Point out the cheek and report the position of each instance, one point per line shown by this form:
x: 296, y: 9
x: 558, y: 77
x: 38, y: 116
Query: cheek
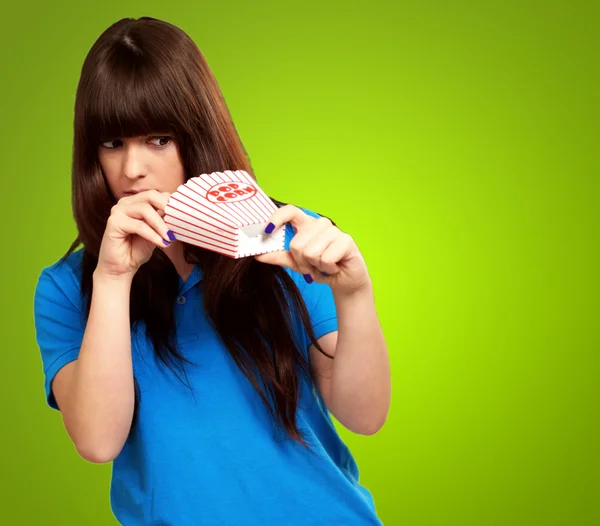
x: 175, y: 172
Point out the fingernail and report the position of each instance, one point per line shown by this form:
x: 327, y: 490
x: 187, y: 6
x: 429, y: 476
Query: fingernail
x: 324, y: 273
x: 308, y: 278
x: 166, y: 242
x: 270, y: 228
x: 171, y: 235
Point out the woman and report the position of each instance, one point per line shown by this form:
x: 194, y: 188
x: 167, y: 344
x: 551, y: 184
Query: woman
x: 208, y: 381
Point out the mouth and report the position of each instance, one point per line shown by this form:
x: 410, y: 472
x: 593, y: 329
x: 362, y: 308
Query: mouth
x: 133, y: 192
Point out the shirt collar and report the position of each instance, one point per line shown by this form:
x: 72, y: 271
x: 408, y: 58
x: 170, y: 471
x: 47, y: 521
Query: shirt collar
x: 194, y: 278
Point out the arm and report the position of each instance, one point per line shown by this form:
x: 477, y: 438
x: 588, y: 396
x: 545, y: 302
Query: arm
x: 96, y: 395
x: 356, y: 384
x: 95, y: 392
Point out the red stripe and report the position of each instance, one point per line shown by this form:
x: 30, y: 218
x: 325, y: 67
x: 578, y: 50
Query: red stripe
x: 195, y: 217
x: 204, y: 201
x: 233, y: 209
x: 246, y: 208
x: 196, y: 236
x: 248, y: 205
x: 209, y: 235
x: 256, y: 201
x: 215, y: 205
x: 250, y: 210
x: 260, y: 196
x: 248, y: 218
x: 201, y: 198
x: 266, y: 203
x: 197, y: 209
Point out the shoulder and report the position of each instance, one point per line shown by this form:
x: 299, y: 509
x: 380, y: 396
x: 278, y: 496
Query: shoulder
x: 61, y: 278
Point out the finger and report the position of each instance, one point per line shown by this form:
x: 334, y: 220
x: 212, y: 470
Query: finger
x: 158, y: 200
x: 303, y: 238
x: 314, y: 250
x: 335, y: 253
x: 288, y: 214
x: 126, y: 225
x: 146, y: 212
x: 297, y: 247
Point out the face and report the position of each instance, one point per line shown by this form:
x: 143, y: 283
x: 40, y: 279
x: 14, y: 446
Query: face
x: 135, y: 164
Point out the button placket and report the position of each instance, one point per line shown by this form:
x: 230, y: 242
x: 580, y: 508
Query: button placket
x: 186, y: 315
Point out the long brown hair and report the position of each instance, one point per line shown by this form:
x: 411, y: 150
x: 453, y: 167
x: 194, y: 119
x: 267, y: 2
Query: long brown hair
x: 146, y: 75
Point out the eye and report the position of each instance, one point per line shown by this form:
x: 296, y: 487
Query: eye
x: 163, y: 140
x: 110, y: 144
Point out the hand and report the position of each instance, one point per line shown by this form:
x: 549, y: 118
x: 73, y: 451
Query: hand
x: 133, y: 230
x: 320, y: 251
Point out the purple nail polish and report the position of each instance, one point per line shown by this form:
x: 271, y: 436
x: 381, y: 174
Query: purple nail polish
x: 308, y: 278
x: 325, y: 274
x: 166, y: 242
x: 171, y: 235
x: 270, y: 228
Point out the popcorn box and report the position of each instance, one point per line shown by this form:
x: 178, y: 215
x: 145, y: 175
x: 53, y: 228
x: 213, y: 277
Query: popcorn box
x: 225, y: 212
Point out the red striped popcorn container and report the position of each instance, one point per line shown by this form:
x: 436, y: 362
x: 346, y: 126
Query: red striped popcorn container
x: 225, y: 212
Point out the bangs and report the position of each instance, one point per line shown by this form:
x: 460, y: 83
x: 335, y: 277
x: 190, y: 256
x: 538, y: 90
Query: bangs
x: 129, y: 99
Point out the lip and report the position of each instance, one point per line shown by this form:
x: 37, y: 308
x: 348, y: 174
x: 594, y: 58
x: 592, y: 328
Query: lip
x: 133, y: 192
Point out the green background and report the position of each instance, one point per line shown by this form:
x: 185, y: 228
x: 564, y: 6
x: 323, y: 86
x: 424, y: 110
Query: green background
x: 458, y: 144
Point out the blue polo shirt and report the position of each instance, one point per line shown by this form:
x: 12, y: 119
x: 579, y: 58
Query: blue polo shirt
x: 211, y: 457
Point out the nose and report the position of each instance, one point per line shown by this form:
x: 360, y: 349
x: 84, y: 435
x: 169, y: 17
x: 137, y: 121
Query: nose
x: 134, y: 162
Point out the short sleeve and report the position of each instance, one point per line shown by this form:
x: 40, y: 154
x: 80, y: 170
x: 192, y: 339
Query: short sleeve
x: 317, y: 297
x: 58, y: 323
x: 321, y: 309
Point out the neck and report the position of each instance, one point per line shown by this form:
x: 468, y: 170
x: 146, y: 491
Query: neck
x: 175, y: 253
